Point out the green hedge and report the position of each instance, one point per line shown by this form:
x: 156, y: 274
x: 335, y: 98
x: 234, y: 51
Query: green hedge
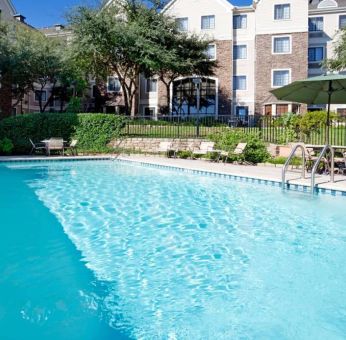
x: 93, y: 131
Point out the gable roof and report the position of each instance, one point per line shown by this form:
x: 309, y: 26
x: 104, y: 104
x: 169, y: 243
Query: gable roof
x: 224, y: 3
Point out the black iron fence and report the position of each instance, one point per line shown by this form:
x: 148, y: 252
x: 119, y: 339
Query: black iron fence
x: 269, y: 129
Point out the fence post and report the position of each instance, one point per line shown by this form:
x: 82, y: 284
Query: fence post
x: 197, y: 127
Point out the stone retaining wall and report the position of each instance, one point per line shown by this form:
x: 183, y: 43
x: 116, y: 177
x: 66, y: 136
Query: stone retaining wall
x: 153, y: 144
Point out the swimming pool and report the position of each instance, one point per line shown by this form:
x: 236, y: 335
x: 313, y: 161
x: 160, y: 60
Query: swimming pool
x: 111, y: 250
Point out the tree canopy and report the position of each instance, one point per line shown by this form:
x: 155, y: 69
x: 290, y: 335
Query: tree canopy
x: 129, y: 38
x: 31, y: 61
x: 338, y: 62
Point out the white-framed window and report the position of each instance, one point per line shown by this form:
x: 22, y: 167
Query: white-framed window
x: 282, y: 12
x: 281, y: 45
x: 239, y: 52
x: 208, y: 22
x: 281, y: 77
x: 342, y: 21
x: 151, y: 85
x: 239, y: 83
x: 211, y: 52
x: 113, y: 84
x: 240, y: 21
x: 183, y: 24
x: 41, y: 94
x: 316, y: 24
x: 316, y: 54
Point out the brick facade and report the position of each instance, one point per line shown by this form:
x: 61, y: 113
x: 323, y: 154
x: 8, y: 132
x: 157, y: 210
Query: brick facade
x: 266, y: 62
x: 223, y: 72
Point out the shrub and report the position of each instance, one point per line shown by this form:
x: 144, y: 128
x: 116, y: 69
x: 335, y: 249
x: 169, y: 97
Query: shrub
x: 255, y: 152
x: 6, y: 146
x: 93, y: 131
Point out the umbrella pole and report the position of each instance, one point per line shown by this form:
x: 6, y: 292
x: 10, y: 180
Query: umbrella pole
x: 330, y: 91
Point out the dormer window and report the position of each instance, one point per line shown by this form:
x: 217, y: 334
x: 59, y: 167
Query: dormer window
x: 282, y: 12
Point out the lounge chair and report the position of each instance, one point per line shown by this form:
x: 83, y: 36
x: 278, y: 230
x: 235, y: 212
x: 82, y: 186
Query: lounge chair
x: 166, y: 148
x: 37, y: 147
x: 55, y: 144
x: 72, y: 147
x: 237, y: 152
x: 204, y: 149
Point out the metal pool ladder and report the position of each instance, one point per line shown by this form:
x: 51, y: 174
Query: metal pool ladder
x: 317, y: 163
x: 288, y: 161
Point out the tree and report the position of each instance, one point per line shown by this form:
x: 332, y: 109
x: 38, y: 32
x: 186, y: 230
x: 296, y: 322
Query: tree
x: 31, y: 61
x: 129, y: 38
x: 338, y: 62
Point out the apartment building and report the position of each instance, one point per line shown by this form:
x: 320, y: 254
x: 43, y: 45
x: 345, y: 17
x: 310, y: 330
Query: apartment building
x: 258, y: 48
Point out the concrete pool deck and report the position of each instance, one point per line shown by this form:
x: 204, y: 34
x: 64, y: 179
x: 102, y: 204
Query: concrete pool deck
x: 267, y: 173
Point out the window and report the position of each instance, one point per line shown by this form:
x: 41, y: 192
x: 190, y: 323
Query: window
x: 151, y: 85
x: 239, y: 83
x: 240, y: 21
x: 268, y: 110
x: 113, y: 84
x: 316, y: 54
x: 281, y: 78
x: 342, y: 21
x: 316, y: 24
x: 40, y: 95
x: 242, y: 111
x: 239, y: 52
x: 183, y: 24
x: 282, y: 12
x: 281, y: 45
x: 211, y: 52
x: 208, y: 22
x: 281, y: 109
x: 149, y: 111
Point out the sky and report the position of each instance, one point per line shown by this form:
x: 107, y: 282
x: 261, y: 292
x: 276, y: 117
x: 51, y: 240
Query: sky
x: 44, y: 13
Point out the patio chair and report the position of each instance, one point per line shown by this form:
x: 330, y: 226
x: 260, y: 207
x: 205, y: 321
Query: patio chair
x: 166, y: 148
x: 237, y: 152
x: 37, y: 147
x: 55, y: 144
x: 72, y: 147
x: 203, y: 149
x: 342, y: 166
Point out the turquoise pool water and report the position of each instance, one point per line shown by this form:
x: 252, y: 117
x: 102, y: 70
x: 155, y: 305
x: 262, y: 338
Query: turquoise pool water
x: 106, y: 250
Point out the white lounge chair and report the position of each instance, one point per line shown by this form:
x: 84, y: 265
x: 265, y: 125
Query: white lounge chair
x: 204, y: 149
x: 72, y: 147
x: 238, y: 151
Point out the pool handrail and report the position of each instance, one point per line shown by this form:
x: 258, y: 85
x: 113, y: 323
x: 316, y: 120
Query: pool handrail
x: 288, y: 161
x: 317, y: 163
